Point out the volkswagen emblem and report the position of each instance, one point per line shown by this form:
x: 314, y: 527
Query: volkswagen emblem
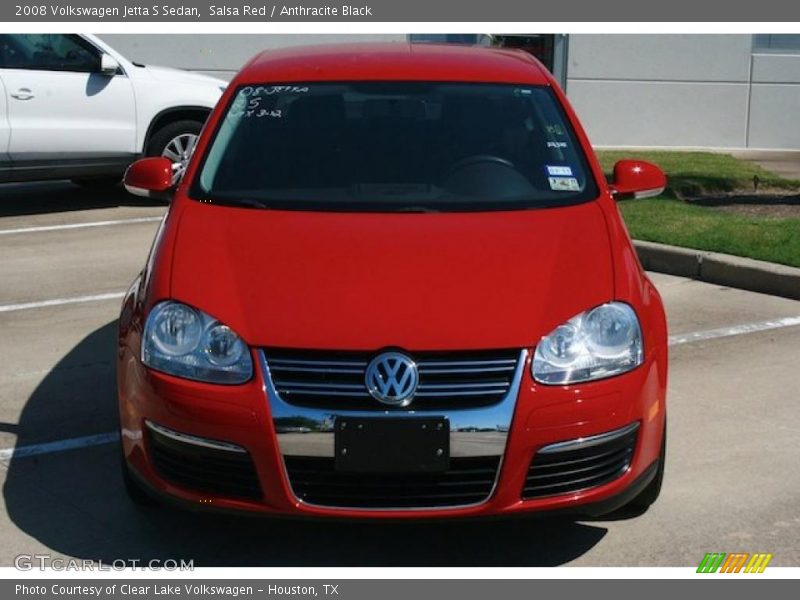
x: 392, y: 378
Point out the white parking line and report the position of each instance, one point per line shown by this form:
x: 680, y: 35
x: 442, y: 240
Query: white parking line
x: 79, y: 225
x: 112, y: 437
x: 59, y: 445
x: 712, y: 334
x: 60, y: 301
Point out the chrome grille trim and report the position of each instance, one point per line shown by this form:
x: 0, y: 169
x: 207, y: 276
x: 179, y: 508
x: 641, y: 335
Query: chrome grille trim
x: 466, y: 386
x: 353, y: 371
x: 305, y: 378
x: 447, y: 371
x: 319, y: 364
x: 480, y: 364
x: 186, y: 438
x: 588, y: 442
x: 574, y: 465
x: 327, y: 392
x: 202, y: 465
x: 460, y: 393
x: 335, y: 386
x: 474, y: 432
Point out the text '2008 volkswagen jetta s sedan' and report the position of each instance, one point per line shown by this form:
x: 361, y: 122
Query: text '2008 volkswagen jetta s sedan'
x: 393, y: 283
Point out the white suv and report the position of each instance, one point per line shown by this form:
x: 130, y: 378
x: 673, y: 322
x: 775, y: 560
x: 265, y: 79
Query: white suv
x: 73, y: 108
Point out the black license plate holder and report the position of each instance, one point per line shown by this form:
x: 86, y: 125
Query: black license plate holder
x: 392, y: 445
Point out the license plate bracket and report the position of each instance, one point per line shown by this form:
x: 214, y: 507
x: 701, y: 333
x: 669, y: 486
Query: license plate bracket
x: 392, y: 445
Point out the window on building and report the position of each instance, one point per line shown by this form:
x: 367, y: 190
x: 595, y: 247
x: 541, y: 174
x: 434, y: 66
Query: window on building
x: 470, y: 39
x: 782, y: 42
x: 542, y: 46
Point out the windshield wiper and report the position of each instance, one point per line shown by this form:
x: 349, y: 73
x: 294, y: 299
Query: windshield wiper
x: 246, y: 202
x: 414, y: 209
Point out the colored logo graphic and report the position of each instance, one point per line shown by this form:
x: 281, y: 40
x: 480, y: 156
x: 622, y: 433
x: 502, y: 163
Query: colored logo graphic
x: 737, y: 562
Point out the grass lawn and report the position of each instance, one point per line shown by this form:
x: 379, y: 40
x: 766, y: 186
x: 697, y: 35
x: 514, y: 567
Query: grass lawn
x: 670, y: 220
x: 695, y: 173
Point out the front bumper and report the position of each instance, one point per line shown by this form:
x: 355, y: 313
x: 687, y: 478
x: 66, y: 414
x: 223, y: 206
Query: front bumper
x: 534, y: 418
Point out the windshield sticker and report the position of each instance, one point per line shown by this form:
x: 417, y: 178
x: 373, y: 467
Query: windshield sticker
x: 251, y: 107
x: 247, y: 103
x: 555, y: 129
x: 556, y: 144
x: 559, y: 170
x: 270, y: 90
x: 263, y: 112
x: 564, y: 184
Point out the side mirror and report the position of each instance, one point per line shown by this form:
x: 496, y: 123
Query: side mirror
x: 149, y: 177
x: 637, y: 179
x: 108, y: 64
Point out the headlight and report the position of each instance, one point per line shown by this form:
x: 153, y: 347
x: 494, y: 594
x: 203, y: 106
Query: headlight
x: 598, y: 343
x: 183, y: 341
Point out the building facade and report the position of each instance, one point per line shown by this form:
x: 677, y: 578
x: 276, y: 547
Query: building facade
x: 705, y: 91
x: 673, y: 91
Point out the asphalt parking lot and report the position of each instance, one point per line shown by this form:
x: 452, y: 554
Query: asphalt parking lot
x: 732, y: 481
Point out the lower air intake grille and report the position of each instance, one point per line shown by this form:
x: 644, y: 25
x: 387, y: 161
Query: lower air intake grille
x: 580, y: 464
x: 468, y: 481
x: 203, y: 469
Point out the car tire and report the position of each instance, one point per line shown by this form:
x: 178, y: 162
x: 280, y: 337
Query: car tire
x: 171, y: 140
x: 651, y: 493
x: 137, y: 494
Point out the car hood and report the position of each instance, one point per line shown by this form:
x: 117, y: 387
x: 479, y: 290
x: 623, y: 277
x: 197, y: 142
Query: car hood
x: 168, y: 74
x: 373, y: 280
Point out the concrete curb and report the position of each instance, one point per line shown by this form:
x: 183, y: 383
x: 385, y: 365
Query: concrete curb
x: 722, y: 269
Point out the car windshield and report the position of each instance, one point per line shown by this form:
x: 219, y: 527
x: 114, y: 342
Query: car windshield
x: 394, y: 146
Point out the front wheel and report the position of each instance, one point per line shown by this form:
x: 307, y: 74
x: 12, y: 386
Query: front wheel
x: 175, y: 141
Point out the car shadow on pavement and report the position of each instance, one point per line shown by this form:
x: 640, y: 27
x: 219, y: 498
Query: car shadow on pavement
x: 778, y: 204
x: 18, y: 199
x: 73, y: 502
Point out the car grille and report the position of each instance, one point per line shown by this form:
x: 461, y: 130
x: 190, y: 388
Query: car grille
x: 335, y: 380
x: 467, y: 481
x: 585, y: 464
x: 216, y: 471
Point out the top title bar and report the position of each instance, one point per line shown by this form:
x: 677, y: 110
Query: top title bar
x: 461, y: 11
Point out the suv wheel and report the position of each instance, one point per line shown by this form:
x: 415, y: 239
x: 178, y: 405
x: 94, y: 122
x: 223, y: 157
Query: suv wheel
x: 175, y: 141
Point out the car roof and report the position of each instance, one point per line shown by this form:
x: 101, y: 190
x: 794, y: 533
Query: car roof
x: 393, y: 61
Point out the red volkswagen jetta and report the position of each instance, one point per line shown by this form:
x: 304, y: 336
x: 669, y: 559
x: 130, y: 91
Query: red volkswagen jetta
x: 393, y: 283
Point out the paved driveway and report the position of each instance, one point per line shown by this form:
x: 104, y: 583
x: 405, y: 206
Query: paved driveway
x: 732, y: 482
